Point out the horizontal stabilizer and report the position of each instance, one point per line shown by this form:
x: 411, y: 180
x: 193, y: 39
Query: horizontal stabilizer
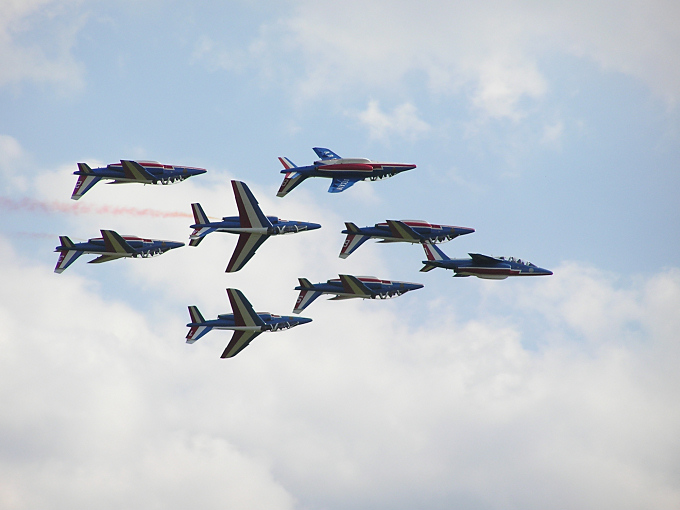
x: 115, y: 243
x: 305, y: 298
x: 427, y: 267
x: 239, y: 341
x: 352, y: 285
x: 401, y: 230
x: 199, y: 234
x: 339, y: 185
x: 198, y: 329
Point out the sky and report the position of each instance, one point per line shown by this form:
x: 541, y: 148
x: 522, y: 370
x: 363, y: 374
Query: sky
x: 553, y: 129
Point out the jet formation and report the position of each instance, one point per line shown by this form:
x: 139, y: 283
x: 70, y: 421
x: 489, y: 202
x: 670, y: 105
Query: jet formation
x: 253, y: 227
x: 345, y: 172
x: 110, y: 246
x: 144, y: 172
x: 244, y: 322
x: 393, y: 231
x: 348, y: 287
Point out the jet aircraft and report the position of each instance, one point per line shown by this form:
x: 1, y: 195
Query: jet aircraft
x: 344, y: 171
x: 110, y: 246
x: 481, y: 266
x: 392, y: 231
x: 245, y: 322
x: 145, y: 172
x: 253, y: 227
x: 348, y: 287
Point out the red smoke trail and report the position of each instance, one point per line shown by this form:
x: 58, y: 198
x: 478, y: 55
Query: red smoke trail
x: 32, y: 205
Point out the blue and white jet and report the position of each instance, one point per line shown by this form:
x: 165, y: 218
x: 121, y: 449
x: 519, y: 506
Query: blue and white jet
x: 244, y: 322
x: 344, y: 171
x: 348, y: 287
x: 393, y: 231
x: 481, y: 266
x: 253, y: 227
x: 144, y: 172
x: 110, y: 246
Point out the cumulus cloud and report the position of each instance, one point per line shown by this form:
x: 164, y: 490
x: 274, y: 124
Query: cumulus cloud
x: 372, y: 404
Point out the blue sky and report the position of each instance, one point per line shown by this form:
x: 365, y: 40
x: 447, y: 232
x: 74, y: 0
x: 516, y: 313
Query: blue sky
x: 553, y: 131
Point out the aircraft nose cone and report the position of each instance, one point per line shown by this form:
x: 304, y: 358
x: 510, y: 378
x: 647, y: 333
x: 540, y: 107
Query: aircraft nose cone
x: 313, y: 226
x: 303, y: 320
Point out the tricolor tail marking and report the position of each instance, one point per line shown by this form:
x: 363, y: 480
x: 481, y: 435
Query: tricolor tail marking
x: 244, y: 315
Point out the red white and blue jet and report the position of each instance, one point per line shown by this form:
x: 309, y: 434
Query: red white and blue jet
x: 145, y: 172
x: 481, y: 266
x: 253, y: 227
x: 110, y: 246
x: 348, y: 287
x: 244, y: 322
x: 344, y: 171
x: 393, y: 231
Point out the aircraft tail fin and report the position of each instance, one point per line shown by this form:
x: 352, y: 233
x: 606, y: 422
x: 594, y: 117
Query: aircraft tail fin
x: 352, y: 285
x: 86, y: 179
x: 287, y: 163
x: 200, y: 217
x: 290, y: 181
x: 353, y: 240
x: 244, y: 314
x: 197, y: 327
x: 306, y: 296
x: 434, y: 253
x: 250, y: 214
x: 115, y: 243
x: 67, y: 255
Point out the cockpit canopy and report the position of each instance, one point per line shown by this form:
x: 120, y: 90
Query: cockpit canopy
x: 517, y: 260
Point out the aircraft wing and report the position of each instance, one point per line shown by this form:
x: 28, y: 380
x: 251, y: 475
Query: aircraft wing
x: 136, y: 172
x: 250, y: 214
x: 339, y: 185
x: 115, y: 243
x: 239, y: 341
x: 244, y: 315
x: 245, y: 249
x: 484, y: 259
x: 401, y: 230
x: 106, y: 258
x: 325, y: 154
x: 352, y: 285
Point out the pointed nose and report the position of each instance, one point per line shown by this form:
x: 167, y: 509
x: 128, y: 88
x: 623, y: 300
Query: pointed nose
x: 312, y: 226
x: 197, y: 171
x: 302, y: 320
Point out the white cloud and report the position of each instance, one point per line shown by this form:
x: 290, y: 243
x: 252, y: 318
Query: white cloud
x: 48, y: 57
x: 403, y: 122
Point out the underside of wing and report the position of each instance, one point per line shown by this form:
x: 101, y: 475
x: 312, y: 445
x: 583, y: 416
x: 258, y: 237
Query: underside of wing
x: 245, y: 249
x: 339, y: 185
x: 239, y: 341
x: 106, y: 258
